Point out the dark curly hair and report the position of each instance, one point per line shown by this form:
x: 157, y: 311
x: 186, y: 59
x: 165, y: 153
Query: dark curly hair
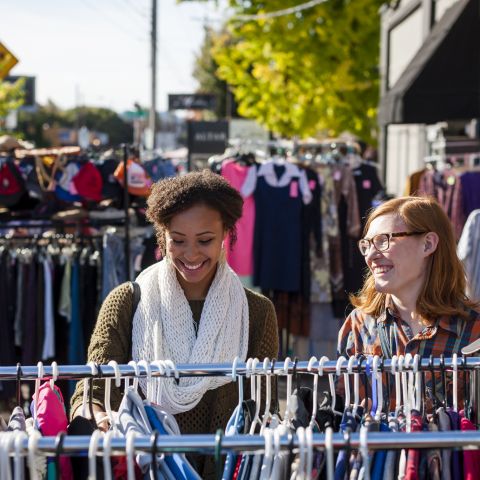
x: 177, y: 194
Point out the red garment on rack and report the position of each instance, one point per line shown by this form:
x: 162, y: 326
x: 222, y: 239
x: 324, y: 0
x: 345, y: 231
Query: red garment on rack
x: 471, y: 458
x: 413, y: 456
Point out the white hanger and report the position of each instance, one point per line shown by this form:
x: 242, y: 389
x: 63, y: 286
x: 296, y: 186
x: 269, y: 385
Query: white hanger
x: 157, y: 386
x: 268, y: 456
x: 268, y: 400
x: 398, y: 392
x: 54, y: 375
x: 133, y: 364
x: 455, y: 381
x: 148, y: 370
x: 236, y: 377
x: 309, y: 445
x: 92, y: 454
x: 356, y: 385
x: 94, y: 371
x: 286, y: 364
x: 33, y: 439
x: 302, y: 453
x: 108, y: 388
x: 40, y: 375
x: 315, y: 390
x: 378, y: 378
x: 341, y: 360
x: 248, y: 374
x: 418, y: 382
x: 329, y: 453
x: 403, y: 379
x: 170, y: 368
x: 364, y: 452
x: 407, y: 391
x: 18, y: 461
x: 107, y: 453
x: 130, y: 454
x: 6, y: 443
x: 258, y: 397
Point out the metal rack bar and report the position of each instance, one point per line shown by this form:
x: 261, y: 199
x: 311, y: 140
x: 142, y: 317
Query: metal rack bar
x: 72, y: 372
x: 256, y: 443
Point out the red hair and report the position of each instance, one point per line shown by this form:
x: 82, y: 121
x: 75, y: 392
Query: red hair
x: 444, y: 290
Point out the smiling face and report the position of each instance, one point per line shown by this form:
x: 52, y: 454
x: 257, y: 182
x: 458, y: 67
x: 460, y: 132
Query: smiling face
x: 401, y: 270
x: 194, y: 244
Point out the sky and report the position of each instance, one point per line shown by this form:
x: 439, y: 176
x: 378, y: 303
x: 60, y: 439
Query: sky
x: 97, y: 52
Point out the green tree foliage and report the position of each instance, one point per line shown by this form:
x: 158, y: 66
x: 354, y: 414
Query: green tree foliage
x: 11, y: 96
x: 304, y: 73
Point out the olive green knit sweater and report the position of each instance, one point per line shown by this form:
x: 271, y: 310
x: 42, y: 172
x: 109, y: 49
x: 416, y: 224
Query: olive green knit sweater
x: 112, y: 340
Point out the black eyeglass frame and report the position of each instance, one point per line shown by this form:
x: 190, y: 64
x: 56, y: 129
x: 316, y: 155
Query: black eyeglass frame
x: 389, y: 237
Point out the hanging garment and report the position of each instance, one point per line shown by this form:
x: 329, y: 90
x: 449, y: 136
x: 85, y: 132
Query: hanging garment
x: 413, y: 455
x: 134, y: 415
x: 434, y: 457
x: 277, y: 237
x: 457, y: 457
x: 240, y: 258
x: 51, y: 419
x: 468, y: 250
x: 471, y: 458
x: 444, y: 425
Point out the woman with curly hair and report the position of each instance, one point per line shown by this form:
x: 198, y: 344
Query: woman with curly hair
x: 192, y: 309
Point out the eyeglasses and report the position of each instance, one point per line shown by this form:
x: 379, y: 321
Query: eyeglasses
x: 381, y: 242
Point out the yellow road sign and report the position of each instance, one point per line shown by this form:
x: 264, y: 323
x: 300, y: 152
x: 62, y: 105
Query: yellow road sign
x: 7, y: 61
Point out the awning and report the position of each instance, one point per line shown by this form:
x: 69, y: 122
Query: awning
x: 442, y: 82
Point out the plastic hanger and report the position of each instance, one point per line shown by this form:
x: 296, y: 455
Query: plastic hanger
x: 444, y: 382
x: 329, y: 453
x: 378, y: 379
x: 157, y: 386
x: 418, y: 382
x: 107, y: 453
x: 154, y: 463
x: 236, y: 377
x: 286, y: 364
x: 302, y: 453
x: 92, y: 454
x: 33, y: 439
x: 268, y: 456
x: 311, y: 362
x: 257, y: 379
x: 87, y: 386
x: 19, y: 383
x: 356, y: 385
x: 455, y: 381
x: 133, y: 364
x: 6, y: 443
x: 54, y: 375
x: 346, y: 380
x: 18, y: 461
x: 108, y: 388
x: 40, y: 375
x: 130, y: 454
x: 398, y: 392
x: 148, y: 371
x: 407, y: 390
x: 268, y: 379
x: 364, y: 451
x: 309, y: 457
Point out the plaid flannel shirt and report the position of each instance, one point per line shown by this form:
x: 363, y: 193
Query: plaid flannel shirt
x: 447, y: 335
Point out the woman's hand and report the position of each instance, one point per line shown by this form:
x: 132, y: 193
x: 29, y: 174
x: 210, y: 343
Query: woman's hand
x: 101, y: 417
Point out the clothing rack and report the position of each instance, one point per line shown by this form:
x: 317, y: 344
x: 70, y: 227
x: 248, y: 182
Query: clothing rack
x: 256, y: 443
x: 279, y: 368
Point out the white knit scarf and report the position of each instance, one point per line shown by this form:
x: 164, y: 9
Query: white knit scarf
x: 163, y: 329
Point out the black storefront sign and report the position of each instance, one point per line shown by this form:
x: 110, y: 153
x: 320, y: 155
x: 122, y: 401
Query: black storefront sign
x: 207, y: 138
x: 192, y: 101
x: 29, y: 88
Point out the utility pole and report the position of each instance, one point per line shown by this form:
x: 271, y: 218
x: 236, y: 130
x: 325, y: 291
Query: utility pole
x: 153, y: 102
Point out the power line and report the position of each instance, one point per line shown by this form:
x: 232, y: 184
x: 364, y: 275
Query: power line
x: 278, y: 13
x: 113, y: 22
x: 135, y: 9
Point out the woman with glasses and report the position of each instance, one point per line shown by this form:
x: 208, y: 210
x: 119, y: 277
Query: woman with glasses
x: 413, y: 299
